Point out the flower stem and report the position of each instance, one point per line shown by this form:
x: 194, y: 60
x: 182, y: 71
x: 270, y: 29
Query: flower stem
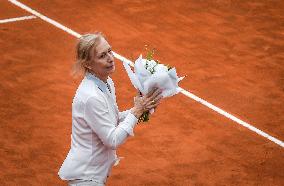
x: 144, y: 117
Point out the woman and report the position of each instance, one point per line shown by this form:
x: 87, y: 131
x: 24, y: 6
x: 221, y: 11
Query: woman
x: 98, y: 128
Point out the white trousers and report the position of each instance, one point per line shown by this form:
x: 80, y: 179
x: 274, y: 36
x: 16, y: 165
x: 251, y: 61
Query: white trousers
x: 84, y: 183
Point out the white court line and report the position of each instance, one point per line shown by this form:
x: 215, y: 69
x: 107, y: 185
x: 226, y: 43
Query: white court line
x: 17, y: 19
x: 186, y: 93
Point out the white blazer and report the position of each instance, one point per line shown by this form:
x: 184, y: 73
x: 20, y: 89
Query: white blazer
x: 98, y: 128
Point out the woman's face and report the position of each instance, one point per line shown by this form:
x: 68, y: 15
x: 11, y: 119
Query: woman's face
x: 103, y: 60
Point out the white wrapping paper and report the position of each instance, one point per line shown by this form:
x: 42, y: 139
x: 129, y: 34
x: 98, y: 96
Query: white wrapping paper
x: 164, y: 79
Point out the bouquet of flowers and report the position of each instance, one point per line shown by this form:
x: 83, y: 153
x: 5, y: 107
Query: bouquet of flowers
x: 148, y: 74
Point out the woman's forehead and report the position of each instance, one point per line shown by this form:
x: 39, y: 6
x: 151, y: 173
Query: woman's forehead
x: 102, y: 46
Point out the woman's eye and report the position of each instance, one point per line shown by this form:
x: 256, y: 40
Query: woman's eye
x: 103, y: 55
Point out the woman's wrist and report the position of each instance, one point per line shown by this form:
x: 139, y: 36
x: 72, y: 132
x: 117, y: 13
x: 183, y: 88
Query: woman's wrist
x: 136, y: 112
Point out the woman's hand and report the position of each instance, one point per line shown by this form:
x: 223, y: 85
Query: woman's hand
x: 147, y: 102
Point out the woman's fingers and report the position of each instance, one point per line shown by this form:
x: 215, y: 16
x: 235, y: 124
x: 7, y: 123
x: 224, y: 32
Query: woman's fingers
x: 151, y: 103
x: 154, y: 105
x: 152, y: 99
x: 155, y: 94
x: 158, y: 97
x: 151, y: 92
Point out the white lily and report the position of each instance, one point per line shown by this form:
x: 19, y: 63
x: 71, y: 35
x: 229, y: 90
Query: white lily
x: 142, y: 79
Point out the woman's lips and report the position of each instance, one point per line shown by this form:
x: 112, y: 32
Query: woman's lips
x: 110, y: 67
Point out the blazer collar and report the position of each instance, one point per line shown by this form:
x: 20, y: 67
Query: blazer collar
x: 101, y: 85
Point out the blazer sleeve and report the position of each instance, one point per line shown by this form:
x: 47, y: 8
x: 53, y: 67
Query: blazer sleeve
x: 98, y: 117
x: 122, y: 115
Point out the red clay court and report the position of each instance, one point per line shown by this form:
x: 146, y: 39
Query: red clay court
x: 232, y: 52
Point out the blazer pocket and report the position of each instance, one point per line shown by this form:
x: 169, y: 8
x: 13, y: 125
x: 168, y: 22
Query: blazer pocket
x: 99, y: 157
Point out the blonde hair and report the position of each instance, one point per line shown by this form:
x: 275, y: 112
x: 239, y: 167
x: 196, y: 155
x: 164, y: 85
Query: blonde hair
x: 85, y: 50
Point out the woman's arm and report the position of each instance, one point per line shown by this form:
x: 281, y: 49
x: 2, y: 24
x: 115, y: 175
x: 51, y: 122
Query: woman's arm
x: 123, y: 114
x: 98, y: 117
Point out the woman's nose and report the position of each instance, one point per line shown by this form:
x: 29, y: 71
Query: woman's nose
x: 110, y: 57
